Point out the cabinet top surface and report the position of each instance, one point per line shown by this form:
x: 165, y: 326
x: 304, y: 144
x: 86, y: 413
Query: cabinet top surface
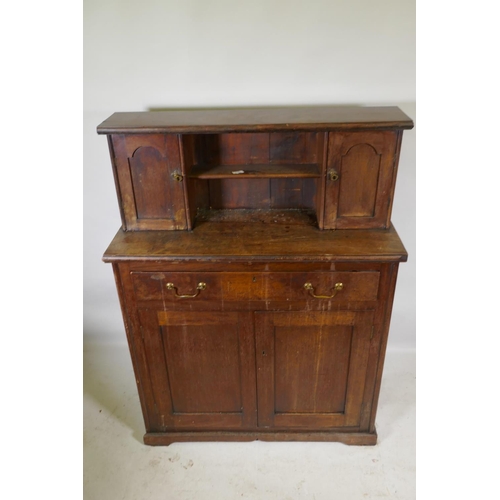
x: 257, y: 242
x: 256, y: 119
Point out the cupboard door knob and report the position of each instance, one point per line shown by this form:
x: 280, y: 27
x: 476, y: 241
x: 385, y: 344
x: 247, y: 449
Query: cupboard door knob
x: 333, y: 175
x: 336, y: 288
x: 177, y: 177
x: 199, y: 287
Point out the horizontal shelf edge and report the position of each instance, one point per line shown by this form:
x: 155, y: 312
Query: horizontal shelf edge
x: 267, y: 171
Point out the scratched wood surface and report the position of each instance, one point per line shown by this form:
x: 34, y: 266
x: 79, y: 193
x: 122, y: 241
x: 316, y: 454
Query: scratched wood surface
x: 257, y: 119
x: 252, y: 353
x: 255, y: 241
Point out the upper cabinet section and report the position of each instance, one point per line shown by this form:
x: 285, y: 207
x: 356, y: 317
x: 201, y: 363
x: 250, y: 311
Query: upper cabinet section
x: 330, y: 167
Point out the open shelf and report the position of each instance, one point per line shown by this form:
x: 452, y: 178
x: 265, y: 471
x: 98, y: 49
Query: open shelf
x: 254, y: 171
x: 273, y: 178
x: 290, y: 217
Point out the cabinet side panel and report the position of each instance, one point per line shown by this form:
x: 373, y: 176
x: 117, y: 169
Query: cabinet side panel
x: 380, y: 344
x: 117, y: 183
x: 136, y: 348
x: 392, y: 189
x: 124, y: 183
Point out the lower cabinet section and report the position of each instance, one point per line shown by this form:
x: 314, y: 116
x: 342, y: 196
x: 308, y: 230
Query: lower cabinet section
x: 221, y: 355
x: 219, y: 371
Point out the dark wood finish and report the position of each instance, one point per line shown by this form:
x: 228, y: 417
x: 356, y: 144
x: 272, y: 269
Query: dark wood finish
x: 380, y: 346
x: 311, y: 368
x: 233, y: 286
x: 321, y: 183
x: 257, y: 119
x: 232, y: 193
x: 166, y: 175
x: 150, y: 196
x: 121, y: 204
x: 365, y: 163
x: 324, y: 319
x: 286, y: 216
x: 246, y: 172
x: 257, y: 242
x: 235, y: 347
x: 249, y: 266
x: 191, y: 353
x: 349, y: 438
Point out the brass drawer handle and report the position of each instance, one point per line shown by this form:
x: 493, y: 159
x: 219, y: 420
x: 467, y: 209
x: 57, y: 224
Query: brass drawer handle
x: 201, y: 286
x: 177, y: 176
x: 337, y: 287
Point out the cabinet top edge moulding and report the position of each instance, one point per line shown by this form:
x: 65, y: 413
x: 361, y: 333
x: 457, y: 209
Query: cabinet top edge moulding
x: 257, y: 119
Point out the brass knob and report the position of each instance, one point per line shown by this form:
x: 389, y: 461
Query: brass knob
x: 177, y: 176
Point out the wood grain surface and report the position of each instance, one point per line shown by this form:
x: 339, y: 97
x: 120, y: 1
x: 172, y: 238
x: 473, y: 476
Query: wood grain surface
x: 256, y: 119
x: 256, y: 242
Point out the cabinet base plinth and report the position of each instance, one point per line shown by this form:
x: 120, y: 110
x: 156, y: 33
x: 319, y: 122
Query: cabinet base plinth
x: 349, y: 438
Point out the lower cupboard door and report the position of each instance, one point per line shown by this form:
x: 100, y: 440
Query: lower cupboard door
x: 311, y: 368
x: 202, y: 368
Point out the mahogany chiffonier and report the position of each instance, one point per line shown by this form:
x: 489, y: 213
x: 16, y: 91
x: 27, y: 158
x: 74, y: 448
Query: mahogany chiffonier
x: 256, y: 268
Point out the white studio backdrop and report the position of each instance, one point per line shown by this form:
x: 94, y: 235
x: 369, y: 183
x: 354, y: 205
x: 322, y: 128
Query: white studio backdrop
x: 219, y: 53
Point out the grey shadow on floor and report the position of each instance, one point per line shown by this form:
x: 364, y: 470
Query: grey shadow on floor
x: 108, y: 378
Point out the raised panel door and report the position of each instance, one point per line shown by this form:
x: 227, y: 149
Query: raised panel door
x: 311, y: 368
x: 150, y: 181
x: 202, y: 368
x: 361, y: 172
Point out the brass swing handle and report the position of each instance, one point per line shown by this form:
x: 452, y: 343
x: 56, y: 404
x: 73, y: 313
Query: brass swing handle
x: 336, y: 288
x: 199, y: 287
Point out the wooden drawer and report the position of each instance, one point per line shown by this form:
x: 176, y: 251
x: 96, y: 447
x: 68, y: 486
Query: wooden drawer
x: 282, y: 286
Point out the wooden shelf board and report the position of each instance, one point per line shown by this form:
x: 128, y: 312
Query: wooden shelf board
x: 253, y: 241
x: 253, y: 171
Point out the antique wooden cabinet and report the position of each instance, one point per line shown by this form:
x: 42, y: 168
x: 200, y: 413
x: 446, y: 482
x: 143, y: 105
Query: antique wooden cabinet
x: 256, y: 268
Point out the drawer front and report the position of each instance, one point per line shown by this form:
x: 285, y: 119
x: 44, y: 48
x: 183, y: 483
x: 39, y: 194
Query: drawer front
x: 282, y: 286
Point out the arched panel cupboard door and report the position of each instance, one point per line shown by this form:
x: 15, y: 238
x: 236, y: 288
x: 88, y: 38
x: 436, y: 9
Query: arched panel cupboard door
x: 361, y: 172
x: 150, y: 181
